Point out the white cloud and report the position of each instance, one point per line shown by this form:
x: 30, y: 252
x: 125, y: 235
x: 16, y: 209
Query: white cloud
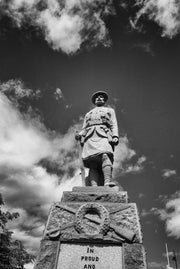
x: 59, y: 97
x: 32, y: 196
x: 167, y: 173
x: 66, y: 26
x: 137, y: 167
x: 25, y: 141
x: 19, y: 94
x: 15, y: 88
x: 164, y: 12
x: 22, y: 144
x: 17, y: 4
x: 173, y: 218
x: 123, y: 157
x: 58, y: 94
x: 26, y: 185
x: 144, y: 46
x: 62, y: 32
x: 171, y: 215
x: 123, y: 151
x: 30, y: 243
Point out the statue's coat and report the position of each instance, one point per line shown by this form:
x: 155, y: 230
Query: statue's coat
x: 99, y: 127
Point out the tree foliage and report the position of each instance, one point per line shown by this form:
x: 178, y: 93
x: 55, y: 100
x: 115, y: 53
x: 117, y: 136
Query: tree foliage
x: 12, y: 252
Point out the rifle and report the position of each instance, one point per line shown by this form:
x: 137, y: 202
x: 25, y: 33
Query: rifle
x: 81, y: 161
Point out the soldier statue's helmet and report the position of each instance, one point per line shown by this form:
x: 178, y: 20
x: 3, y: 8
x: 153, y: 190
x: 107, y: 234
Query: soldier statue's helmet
x: 96, y: 94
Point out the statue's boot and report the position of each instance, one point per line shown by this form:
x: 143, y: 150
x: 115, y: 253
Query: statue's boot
x: 107, y: 171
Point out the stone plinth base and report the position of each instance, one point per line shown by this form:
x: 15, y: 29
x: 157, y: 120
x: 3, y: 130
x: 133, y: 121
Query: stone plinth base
x: 93, y: 228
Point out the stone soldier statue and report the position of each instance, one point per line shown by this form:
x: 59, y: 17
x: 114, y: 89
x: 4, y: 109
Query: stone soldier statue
x: 98, y: 138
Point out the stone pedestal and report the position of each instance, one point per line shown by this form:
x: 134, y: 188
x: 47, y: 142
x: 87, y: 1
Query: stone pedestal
x: 92, y: 228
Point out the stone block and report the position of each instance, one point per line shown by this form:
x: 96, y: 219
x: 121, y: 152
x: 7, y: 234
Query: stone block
x: 134, y: 256
x: 47, y: 255
x: 98, y: 189
x: 90, y: 256
x: 122, y: 217
x: 93, y: 228
x: 111, y: 197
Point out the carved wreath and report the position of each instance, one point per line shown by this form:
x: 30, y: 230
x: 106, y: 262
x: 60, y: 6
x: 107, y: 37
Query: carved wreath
x: 102, y: 221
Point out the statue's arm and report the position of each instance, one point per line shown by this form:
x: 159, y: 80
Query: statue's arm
x: 114, y: 127
x: 79, y: 135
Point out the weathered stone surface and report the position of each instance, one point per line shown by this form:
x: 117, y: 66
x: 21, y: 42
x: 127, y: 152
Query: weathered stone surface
x: 134, y: 256
x: 122, y: 216
x: 98, y: 189
x: 111, y: 197
x: 96, y: 256
x: 47, y: 255
x: 95, y: 216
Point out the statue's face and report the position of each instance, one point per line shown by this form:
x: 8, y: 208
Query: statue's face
x: 99, y: 101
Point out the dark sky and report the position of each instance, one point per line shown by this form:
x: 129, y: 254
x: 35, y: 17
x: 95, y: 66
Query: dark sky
x: 140, y: 71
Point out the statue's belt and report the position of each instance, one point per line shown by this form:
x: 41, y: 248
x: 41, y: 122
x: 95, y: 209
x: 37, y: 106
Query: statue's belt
x: 89, y: 131
x: 107, y: 125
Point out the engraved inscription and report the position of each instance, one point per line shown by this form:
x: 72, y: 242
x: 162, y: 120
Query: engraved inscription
x: 89, y: 256
x: 91, y: 259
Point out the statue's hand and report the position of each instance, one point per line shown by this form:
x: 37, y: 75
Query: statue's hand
x: 77, y: 137
x: 115, y: 140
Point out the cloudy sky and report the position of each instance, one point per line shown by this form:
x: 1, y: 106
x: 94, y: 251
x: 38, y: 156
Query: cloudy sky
x: 53, y: 55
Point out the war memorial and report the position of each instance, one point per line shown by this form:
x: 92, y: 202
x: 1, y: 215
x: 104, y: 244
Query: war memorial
x: 94, y: 226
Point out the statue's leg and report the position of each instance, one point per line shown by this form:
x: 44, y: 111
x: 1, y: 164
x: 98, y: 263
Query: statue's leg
x: 107, y: 170
x: 93, y: 175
